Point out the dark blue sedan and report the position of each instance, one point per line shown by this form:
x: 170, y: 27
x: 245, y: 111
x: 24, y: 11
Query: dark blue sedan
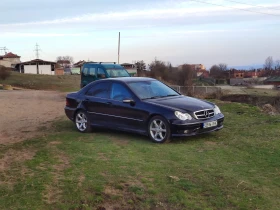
x: 142, y: 105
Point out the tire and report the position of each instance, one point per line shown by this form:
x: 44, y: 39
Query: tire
x: 159, y: 130
x: 82, y: 122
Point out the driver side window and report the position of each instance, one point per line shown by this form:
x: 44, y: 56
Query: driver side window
x: 120, y: 92
x: 101, y: 73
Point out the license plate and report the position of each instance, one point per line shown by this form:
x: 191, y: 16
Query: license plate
x: 210, y: 124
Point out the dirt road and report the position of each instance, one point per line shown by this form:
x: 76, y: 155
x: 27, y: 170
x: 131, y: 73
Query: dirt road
x: 22, y: 112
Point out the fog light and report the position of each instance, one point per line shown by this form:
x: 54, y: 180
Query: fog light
x: 186, y: 131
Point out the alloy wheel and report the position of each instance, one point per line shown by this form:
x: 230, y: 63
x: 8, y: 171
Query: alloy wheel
x: 81, y: 121
x: 158, y: 130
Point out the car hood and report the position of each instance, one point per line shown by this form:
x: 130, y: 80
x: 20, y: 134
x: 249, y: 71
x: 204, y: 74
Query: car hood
x: 183, y: 103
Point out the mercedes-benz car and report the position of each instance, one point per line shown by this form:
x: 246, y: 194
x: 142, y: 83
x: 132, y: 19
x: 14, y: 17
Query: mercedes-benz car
x: 141, y: 105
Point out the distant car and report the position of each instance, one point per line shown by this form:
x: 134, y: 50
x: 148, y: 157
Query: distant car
x: 142, y: 105
x: 92, y: 71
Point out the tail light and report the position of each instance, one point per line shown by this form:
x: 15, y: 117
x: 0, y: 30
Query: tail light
x: 67, y: 102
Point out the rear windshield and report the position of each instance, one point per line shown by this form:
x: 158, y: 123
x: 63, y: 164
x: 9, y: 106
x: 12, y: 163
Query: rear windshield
x: 117, y: 72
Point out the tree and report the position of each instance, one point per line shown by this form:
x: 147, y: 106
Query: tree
x: 65, y: 61
x: 140, y: 66
x: 186, y: 75
x: 215, y: 72
x: 159, y: 70
x: 4, y: 72
x: 223, y: 66
x: 268, y: 64
x: 219, y: 71
x: 277, y: 65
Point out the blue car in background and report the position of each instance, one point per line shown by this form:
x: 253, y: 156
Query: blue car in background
x: 92, y: 71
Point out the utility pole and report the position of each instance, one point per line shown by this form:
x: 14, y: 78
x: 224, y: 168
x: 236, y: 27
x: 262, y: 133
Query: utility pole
x: 37, y: 51
x: 119, y: 48
x: 4, y: 49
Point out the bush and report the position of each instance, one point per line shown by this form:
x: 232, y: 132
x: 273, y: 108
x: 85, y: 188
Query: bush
x: 4, y: 72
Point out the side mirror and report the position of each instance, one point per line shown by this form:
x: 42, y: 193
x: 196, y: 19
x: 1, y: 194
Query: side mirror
x: 129, y: 101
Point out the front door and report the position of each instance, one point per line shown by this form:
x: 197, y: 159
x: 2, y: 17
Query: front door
x: 127, y: 116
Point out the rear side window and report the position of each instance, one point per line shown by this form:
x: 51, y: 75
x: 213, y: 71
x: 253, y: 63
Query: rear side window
x: 85, y: 71
x: 91, y: 71
x: 100, y: 90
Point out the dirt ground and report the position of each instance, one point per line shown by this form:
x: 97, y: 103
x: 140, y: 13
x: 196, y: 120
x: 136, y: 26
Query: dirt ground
x: 23, y: 112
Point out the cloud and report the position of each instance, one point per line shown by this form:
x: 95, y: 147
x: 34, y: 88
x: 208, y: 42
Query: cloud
x: 179, y: 11
x: 14, y: 34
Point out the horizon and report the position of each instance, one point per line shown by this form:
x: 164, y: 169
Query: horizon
x: 194, y: 31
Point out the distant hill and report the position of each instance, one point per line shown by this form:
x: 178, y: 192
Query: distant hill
x: 248, y: 67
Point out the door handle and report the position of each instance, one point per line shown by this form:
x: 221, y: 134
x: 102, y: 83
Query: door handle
x: 109, y: 103
x: 86, y: 99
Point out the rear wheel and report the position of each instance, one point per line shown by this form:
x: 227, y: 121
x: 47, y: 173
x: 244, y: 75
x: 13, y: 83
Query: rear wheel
x: 159, y: 130
x: 82, y: 122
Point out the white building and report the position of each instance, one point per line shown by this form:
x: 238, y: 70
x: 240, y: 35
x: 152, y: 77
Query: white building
x: 9, y: 60
x: 37, y: 66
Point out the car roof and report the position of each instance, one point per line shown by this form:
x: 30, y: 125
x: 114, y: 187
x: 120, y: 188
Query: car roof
x: 106, y: 65
x: 130, y: 79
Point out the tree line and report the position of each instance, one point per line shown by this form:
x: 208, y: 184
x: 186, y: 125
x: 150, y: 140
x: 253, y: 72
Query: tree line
x: 161, y: 70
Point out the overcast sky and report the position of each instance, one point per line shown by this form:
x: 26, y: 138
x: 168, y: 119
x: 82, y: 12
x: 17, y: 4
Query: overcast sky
x: 171, y: 30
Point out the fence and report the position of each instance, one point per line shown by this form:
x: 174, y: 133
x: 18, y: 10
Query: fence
x: 196, y: 90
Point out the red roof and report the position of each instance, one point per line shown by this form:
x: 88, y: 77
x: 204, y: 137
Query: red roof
x: 10, y: 55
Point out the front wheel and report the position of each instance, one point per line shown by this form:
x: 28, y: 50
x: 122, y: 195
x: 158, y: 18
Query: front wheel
x: 159, y: 130
x: 82, y: 122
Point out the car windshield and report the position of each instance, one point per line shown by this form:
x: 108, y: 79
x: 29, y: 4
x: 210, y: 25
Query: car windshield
x: 151, y: 89
x: 117, y: 72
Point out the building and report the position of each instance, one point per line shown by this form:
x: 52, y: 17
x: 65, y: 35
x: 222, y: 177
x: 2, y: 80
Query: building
x: 238, y: 75
x: 275, y: 80
x: 79, y: 64
x: 131, y: 68
x: 202, y: 73
x: 9, y: 60
x: 196, y: 67
x: 37, y: 66
x: 59, y: 71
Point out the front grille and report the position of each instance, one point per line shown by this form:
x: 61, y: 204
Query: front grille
x: 204, y: 114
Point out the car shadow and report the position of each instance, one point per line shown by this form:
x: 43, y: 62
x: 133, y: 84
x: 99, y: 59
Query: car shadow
x: 121, y: 135
x: 132, y: 137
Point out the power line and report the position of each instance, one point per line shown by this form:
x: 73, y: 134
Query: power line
x: 253, y: 5
x: 204, y: 2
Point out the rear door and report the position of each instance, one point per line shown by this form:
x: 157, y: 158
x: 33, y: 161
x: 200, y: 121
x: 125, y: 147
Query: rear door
x: 97, y: 103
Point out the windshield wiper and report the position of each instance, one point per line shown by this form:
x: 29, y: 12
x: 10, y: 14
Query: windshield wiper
x: 171, y: 95
x: 154, y: 97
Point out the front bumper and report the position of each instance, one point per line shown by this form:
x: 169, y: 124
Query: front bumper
x: 178, y: 128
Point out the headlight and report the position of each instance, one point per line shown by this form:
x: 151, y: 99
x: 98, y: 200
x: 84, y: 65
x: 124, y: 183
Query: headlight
x: 183, y: 116
x: 217, y: 110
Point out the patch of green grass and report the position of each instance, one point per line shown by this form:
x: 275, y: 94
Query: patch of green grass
x: 261, y: 92
x: 65, y: 83
x: 235, y: 168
